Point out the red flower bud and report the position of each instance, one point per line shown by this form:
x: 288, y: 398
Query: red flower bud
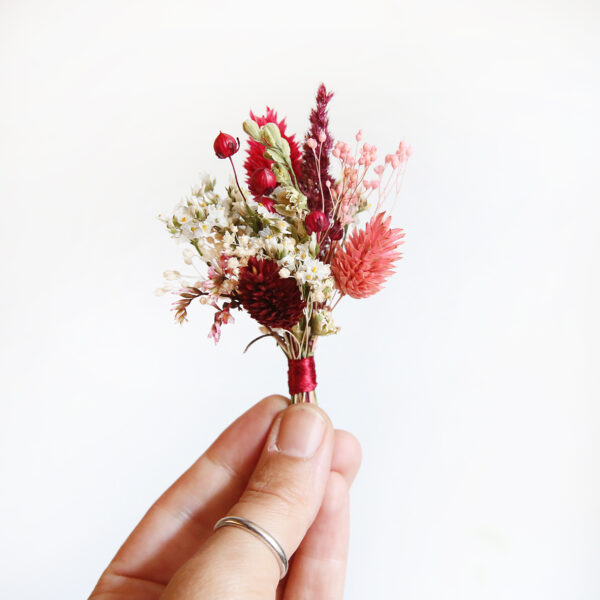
x: 267, y: 202
x: 316, y: 221
x: 336, y: 232
x: 262, y: 181
x: 226, y: 145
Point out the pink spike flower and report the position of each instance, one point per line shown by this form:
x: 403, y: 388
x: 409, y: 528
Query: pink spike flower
x: 368, y: 257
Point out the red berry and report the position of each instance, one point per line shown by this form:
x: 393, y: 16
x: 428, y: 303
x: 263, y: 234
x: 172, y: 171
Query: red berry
x: 316, y: 221
x: 226, y: 145
x: 336, y: 232
x: 262, y: 181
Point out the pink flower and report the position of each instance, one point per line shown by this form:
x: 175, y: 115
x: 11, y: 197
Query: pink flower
x: 222, y: 317
x: 367, y: 259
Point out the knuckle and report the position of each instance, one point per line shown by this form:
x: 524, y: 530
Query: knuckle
x: 276, y: 492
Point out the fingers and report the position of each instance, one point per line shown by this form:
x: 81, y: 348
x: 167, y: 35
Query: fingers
x: 287, y: 486
x: 319, y: 569
x: 283, y: 496
x: 347, y: 455
x: 184, y: 515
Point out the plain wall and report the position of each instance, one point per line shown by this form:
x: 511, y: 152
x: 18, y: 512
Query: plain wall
x: 472, y: 380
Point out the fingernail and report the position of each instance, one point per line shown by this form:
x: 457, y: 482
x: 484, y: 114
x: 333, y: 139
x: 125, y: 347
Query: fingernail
x: 300, y: 432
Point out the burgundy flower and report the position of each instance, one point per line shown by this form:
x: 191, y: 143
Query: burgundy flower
x: 269, y: 299
x: 262, y: 181
x: 316, y: 176
x: 225, y: 145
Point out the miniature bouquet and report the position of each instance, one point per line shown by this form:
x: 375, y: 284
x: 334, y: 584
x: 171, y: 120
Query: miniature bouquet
x: 288, y: 246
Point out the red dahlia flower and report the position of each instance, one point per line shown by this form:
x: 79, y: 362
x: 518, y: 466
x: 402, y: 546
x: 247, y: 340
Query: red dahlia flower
x: 361, y: 268
x: 269, y: 299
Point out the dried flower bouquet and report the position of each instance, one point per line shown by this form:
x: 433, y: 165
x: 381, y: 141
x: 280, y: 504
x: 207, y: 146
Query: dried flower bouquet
x: 287, y: 247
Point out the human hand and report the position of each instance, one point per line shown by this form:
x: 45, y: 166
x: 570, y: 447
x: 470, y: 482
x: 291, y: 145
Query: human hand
x: 284, y: 468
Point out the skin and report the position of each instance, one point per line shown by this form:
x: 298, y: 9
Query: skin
x: 303, y: 501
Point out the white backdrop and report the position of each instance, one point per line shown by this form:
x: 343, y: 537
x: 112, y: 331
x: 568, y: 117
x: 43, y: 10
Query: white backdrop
x: 472, y: 381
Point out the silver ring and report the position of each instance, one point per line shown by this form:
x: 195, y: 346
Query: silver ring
x: 261, y: 534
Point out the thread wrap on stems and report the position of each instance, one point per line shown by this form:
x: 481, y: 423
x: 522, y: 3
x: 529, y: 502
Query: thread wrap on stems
x: 302, y: 375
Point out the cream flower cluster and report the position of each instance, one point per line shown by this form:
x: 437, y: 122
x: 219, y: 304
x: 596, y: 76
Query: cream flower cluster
x: 222, y: 232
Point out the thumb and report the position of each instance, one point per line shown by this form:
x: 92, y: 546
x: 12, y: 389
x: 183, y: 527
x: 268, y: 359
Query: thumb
x: 283, y: 496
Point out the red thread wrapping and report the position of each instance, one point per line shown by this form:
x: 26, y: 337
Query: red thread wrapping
x: 302, y: 376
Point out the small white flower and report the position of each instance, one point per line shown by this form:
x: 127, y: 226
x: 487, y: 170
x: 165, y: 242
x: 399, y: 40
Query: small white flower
x: 316, y: 270
x: 233, y: 263
x: 228, y: 238
x: 288, y: 261
x: 284, y: 273
x: 188, y: 255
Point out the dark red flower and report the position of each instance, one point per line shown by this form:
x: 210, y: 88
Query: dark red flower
x: 316, y: 221
x: 336, y: 232
x: 256, y: 160
x: 225, y: 145
x: 269, y: 299
x: 315, y: 175
x: 262, y: 181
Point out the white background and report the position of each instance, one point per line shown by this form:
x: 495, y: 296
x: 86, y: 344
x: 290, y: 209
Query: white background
x: 472, y: 380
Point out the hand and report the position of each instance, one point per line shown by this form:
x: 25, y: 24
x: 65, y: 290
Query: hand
x: 283, y: 467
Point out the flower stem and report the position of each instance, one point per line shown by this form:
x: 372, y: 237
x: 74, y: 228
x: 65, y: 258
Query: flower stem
x: 236, y: 179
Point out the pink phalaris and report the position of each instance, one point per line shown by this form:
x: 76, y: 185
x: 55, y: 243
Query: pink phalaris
x: 316, y: 221
x: 226, y: 145
x: 262, y: 181
x: 367, y: 259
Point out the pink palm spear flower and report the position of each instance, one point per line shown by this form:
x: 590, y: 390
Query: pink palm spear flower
x: 367, y: 258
